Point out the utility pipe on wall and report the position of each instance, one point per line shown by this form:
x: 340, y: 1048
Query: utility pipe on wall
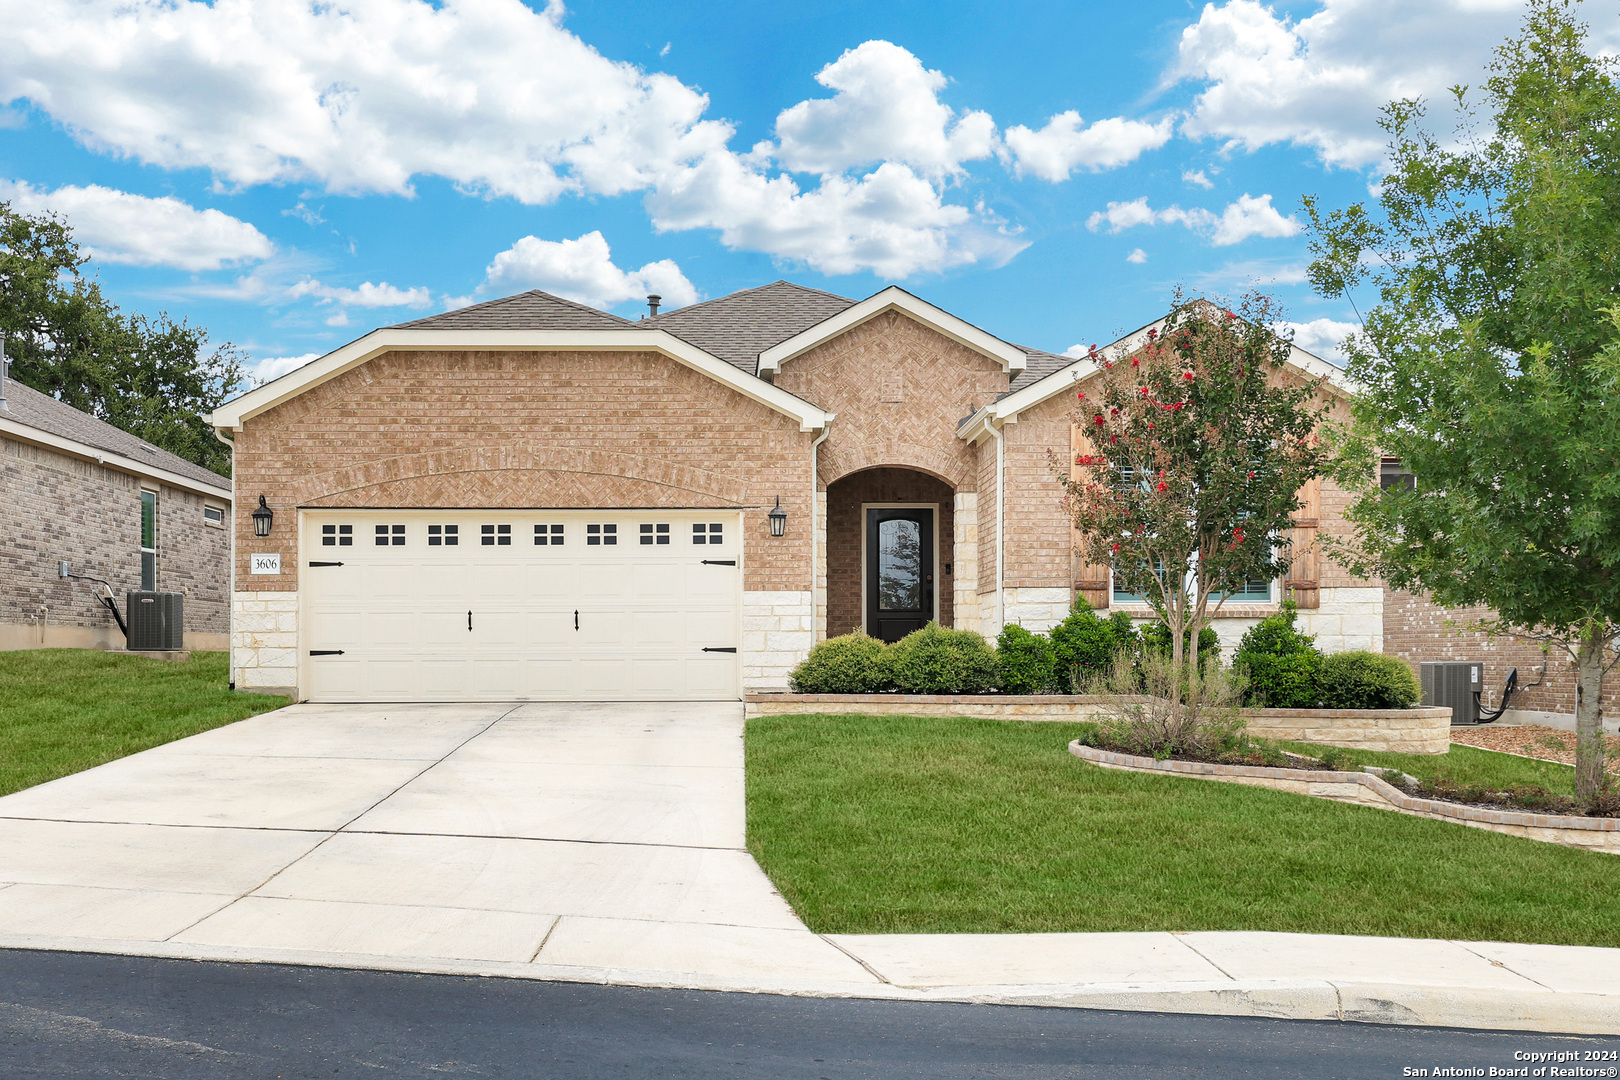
x: 230, y: 579
x: 1001, y: 514
x: 817, y: 619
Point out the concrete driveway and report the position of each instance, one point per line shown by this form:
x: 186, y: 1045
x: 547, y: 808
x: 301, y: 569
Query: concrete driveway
x: 600, y: 837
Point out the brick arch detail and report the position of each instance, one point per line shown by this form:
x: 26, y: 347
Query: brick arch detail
x: 940, y: 464
x: 519, y: 458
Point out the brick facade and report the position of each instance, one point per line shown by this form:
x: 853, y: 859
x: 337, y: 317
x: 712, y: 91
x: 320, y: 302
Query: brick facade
x: 55, y: 506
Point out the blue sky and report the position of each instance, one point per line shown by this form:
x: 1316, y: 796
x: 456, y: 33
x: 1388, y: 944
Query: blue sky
x: 291, y: 176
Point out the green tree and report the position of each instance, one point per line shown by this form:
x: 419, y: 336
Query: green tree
x: 151, y: 377
x: 1490, y: 363
x: 1200, y: 441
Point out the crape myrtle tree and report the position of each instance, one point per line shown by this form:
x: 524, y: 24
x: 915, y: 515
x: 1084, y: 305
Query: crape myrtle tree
x: 1490, y: 364
x: 1199, y: 443
x: 151, y: 377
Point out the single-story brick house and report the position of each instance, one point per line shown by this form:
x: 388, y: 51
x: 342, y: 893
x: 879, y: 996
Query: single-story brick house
x: 530, y: 498
x: 113, y: 506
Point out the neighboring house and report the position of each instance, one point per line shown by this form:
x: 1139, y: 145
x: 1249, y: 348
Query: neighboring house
x: 529, y: 499
x: 113, y: 506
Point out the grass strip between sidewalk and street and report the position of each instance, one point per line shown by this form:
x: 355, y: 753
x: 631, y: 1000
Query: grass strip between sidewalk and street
x: 888, y: 824
x: 66, y: 710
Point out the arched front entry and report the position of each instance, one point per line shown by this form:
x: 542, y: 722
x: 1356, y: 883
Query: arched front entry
x: 890, y: 552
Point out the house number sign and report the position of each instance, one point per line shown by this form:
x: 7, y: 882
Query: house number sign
x: 265, y: 564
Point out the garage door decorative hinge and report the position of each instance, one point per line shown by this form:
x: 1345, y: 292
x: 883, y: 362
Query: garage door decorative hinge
x: 326, y: 564
x: 326, y: 652
x: 719, y: 562
x: 708, y: 648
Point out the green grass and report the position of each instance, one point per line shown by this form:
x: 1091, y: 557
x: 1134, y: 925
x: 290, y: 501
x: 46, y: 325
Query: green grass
x: 1465, y: 765
x: 904, y: 825
x: 66, y: 710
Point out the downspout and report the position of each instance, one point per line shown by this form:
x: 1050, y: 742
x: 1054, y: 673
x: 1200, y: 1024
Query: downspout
x: 1001, y: 517
x: 815, y: 467
x: 230, y: 598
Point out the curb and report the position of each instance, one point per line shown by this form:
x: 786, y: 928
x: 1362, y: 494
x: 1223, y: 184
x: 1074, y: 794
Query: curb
x: 1543, y: 1011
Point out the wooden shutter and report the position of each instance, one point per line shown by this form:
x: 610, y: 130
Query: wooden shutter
x: 1303, y: 583
x: 1091, y: 581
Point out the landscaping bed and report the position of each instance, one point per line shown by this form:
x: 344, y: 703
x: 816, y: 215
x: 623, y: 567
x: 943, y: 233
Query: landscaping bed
x: 66, y: 710
x: 892, y: 824
x: 1533, y: 741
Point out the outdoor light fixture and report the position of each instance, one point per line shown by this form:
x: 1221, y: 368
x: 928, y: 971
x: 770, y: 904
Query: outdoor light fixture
x: 262, y: 517
x: 778, y: 518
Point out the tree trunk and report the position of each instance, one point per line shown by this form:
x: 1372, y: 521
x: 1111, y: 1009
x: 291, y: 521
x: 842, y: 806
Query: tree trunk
x: 1589, y: 777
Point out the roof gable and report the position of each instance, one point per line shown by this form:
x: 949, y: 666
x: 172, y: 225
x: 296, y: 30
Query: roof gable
x: 894, y: 298
x: 532, y: 310
x: 739, y: 326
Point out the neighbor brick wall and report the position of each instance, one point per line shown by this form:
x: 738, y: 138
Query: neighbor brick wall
x: 845, y: 525
x: 1416, y: 630
x: 54, y: 506
x: 527, y: 429
x: 899, y: 390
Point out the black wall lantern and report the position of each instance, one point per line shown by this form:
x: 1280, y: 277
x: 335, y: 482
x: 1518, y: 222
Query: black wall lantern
x: 778, y: 518
x: 262, y: 517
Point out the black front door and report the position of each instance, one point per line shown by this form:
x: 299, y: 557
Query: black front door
x: 899, y: 571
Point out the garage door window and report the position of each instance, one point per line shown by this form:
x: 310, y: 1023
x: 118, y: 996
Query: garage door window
x: 655, y: 533
x: 601, y: 535
x: 496, y: 535
x: 337, y: 536
x: 444, y: 535
x: 548, y: 534
x: 390, y: 535
x: 707, y: 534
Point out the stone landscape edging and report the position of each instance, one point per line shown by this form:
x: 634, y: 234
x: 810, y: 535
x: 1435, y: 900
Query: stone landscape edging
x: 1365, y: 789
x: 1406, y: 731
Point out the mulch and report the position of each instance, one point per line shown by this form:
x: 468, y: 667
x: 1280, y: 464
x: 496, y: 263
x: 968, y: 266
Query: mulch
x: 1532, y: 740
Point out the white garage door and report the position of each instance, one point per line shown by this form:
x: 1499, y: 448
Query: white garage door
x: 520, y: 605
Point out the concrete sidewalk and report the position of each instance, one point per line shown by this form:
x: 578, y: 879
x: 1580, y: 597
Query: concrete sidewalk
x: 605, y: 843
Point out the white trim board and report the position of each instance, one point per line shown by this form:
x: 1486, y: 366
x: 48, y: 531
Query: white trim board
x: 27, y: 433
x: 894, y: 298
x: 234, y: 413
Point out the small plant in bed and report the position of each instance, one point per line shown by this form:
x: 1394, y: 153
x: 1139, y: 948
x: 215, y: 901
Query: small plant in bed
x: 1156, y: 708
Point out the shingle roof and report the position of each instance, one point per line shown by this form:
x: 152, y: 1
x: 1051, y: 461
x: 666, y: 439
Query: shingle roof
x: 1041, y: 364
x: 28, y: 406
x: 740, y: 326
x: 533, y: 310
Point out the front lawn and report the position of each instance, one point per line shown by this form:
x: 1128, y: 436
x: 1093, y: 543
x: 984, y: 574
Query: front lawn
x: 65, y: 710
x: 905, y: 825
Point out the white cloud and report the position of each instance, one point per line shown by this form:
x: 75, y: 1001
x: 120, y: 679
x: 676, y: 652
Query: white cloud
x: 1138, y: 256
x: 274, y: 367
x: 1062, y: 146
x: 355, y: 97
x: 366, y: 296
x: 891, y: 221
x: 583, y: 270
x: 1198, y: 178
x: 1320, y: 82
x: 1246, y: 217
x: 1324, y: 337
x: 117, y: 227
x: 886, y: 109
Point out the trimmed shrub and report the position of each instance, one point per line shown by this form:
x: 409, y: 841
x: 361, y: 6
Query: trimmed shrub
x: 935, y: 660
x: 1084, y: 646
x: 851, y: 664
x: 1366, y: 680
x: 1156, y: 638
x: 1283, y: 664
x: 1025, y: 661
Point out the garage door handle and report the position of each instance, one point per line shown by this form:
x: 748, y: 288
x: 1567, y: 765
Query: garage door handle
x: 469, y: 621
x: 707, y: 648
x: 576, y: 618
x: 719, y: 562
x: 326, y: 652
x: 326, y: 564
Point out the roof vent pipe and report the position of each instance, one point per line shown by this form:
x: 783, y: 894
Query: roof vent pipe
x: 652, y: 304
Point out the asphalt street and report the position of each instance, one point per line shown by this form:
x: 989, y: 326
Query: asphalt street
x: 83, y: 1016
